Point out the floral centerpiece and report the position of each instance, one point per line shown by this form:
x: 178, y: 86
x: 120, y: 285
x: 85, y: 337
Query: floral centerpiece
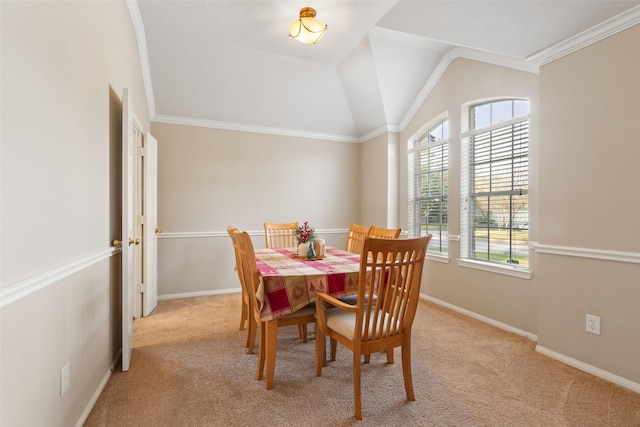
x: 305, y: 233
x: 306, y: 236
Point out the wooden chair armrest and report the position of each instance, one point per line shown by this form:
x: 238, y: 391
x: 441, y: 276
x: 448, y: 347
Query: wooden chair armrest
x: 322, y: 297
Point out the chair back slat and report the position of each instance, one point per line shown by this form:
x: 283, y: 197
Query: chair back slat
x: 356, y: 236
x: 230, y: 231
x: 238, y: 245
x: 281, y: 235
x: 392, y: 272
x: 249, y: 270
x: 385, y: 233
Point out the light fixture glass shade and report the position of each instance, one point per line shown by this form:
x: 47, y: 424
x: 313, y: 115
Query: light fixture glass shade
x: 307, y: 29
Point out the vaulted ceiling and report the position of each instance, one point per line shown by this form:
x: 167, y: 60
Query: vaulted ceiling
x: 232, y: 65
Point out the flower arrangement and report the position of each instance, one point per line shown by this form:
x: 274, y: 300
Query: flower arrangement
x: 305, y: 233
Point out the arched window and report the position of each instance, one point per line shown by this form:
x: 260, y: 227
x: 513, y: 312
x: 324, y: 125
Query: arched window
x: 429, y: 185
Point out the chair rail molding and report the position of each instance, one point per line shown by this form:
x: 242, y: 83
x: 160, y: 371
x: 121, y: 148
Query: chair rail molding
x: 200, y: 234
x: 632, y: 257
x: 24, y: 287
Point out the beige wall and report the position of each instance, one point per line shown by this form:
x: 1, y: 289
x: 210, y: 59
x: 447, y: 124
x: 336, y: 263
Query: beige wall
x: 374, y: 185
x: 64, y: 66
x: 589, y: 200
x: 210, y: 179
x: 583, y: 205
x: 503, y: 298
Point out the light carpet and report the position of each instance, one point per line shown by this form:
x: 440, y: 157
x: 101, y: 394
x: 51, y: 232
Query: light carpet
x: 189, y: 368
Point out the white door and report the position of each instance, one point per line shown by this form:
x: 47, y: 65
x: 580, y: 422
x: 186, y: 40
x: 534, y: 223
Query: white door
x: 131, y: 135
x: 150, y: 242
x: 138, y: 231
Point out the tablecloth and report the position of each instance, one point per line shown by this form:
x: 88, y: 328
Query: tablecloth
x: 289, y: 283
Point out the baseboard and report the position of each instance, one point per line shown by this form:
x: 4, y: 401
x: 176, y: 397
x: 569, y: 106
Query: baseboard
x: 605, y: 375
x: 600, y: 373
x: 199, y: 294
x: 98, y: 392
x: 490, y: 321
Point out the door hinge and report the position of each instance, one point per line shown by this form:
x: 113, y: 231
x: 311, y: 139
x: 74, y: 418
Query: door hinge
x: 142, y: 151
x: 143, y: 287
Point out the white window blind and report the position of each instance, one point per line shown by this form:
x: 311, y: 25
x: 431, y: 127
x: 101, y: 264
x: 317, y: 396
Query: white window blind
x: 429, y: 186
x: 496, y: 183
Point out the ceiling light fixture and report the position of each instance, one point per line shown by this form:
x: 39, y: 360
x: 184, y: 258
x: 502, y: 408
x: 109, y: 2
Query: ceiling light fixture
x: 307, y: 29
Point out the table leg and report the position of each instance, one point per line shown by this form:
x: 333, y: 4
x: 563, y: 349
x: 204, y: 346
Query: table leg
x: 271, y: 329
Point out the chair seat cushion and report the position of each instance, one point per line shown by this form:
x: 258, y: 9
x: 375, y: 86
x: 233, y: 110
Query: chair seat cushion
x: 344, y: 322
x: 306, y: 311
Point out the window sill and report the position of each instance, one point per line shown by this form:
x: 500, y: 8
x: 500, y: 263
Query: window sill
x: 486, y: 266
x: 437, y: 257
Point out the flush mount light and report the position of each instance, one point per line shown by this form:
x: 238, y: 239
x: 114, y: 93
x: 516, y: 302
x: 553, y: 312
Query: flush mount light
x: 307, y: 29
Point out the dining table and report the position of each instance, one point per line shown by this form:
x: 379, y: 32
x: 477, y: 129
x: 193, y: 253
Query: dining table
x: 289, y: 283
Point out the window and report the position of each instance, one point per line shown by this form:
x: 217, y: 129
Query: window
x: 428, y: 186
x: 495, y: 183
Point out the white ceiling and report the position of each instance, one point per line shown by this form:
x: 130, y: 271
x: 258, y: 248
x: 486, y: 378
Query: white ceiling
x: 231, y: 64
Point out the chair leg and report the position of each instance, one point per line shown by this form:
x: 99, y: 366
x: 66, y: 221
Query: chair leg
x: 334, y: 346
x: 321, y: 351
x: 261, y: 353
x: 251, y: 336
x: 390, y: 359
x: 367, y: 358
x: 244, y: 315
x: 302, y: 331
x: 406, y: 370
x: 357, y: 396
x: 271, y: 338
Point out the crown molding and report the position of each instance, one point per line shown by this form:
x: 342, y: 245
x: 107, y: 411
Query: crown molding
x: 529, y: 64
x: 381, y: 130
x: 138, y: 26
x: 592, y: 35
x: 186, y: 121
x: 448, y: 58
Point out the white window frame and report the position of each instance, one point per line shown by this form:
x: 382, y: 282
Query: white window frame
x: 467, y: 207
x: 419, y: 143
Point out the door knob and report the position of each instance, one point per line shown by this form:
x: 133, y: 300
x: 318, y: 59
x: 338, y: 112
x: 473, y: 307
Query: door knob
x: 134, y: 242
x: 158, y: 230
x: 117, y: 243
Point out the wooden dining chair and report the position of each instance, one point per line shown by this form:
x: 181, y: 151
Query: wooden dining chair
x: 245, y: 316
x: 251, y: 281
x: 284, y: 236
x: 396, y: 276
x: 280, y: 235
x: 355, y: 237
x: 355, y: 241
x: 385, y: 233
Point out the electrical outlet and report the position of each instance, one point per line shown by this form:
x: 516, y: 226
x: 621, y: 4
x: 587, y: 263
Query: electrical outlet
x: 64, y: 379
x: 593, y: 324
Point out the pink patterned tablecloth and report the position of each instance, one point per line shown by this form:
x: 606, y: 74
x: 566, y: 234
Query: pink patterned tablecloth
x: 288, y: 283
